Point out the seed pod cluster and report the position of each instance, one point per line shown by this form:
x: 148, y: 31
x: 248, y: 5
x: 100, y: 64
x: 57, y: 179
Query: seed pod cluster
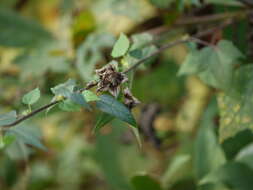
x: 111, y: 80
x: 130, y: 100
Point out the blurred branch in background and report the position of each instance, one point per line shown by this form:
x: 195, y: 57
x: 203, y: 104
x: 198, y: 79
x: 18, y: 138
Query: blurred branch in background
x: 189, y: 140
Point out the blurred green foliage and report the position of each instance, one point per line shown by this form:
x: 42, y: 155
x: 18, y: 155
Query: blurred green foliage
x: 45, y: 43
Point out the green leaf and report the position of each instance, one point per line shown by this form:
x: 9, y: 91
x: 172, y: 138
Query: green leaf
x: 102, y: 120
x: 31, y: 97
x: 141, y: 182
x: 111, y: 106
x: 6, y: 140
x: 18, y: 150
x: 191, y: 64
x: 8, y: 118
x: 107, y: 151
x: 18, y: 31
x: 141, y: 47
x: 64, y: 89
x: 78, y: 98
x: 246, y: 156
x: 90, y: 96
x: 89, y: 53
x: 236, y: 104
x: 28, y: 135
x: 234, y: 175
x: 213, y: 65
x: 234, y: 144
x: 140, y: 41
x: 136, y: 134
x: 68, y: 105
x: 121, y: 47
x: 219, y: 64
x: 208, y: 154
x: 176, y: 169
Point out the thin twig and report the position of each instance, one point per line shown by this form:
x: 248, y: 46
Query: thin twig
x: 167, y: 46
x: 212, y: 18
x: 161, y: 49
x: 31, y: 114
x: 34, y: 112
x: 196, y: 20
x: 172, y: 44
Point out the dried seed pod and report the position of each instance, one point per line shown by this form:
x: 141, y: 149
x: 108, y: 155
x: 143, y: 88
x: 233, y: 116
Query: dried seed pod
x: 110, y: 79
x: 130, y: 100
x: 91, y: 84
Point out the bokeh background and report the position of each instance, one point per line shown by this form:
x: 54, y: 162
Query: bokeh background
x: 44, y: 43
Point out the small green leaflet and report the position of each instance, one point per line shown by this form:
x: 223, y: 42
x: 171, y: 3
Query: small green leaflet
x: 110, y: 105
x: 90, y: 96
x: 6, y: 140
x: 105, y: 118
x: 141, y: 182
x: 75, y: 99
x: 64, y: 89
x: 206, y: 147
x: 31, y: 97
x: 141, y: 41
x: 79, y: 99
x: 102, y: 120
x: 140, y: 48
x: 121, y: 46
x: 68, y: 105
x: 115, y: 109
x: 191, y: 64
x: 213, y: 65
x: 8, y: 118
x: 28, y: 135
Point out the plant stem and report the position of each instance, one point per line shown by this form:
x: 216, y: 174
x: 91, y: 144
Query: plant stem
x: 161, y: 49
x: 35, y: 112
x: 172, y: 44
x: 196, y: 20
x: 31, y: 114
x: 212, y: 18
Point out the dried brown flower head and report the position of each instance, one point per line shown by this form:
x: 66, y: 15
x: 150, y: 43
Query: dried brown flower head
x: 130, y: 100
x: 110, y: 79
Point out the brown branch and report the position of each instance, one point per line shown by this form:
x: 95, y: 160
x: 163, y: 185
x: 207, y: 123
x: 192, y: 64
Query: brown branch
x: 161, y: 49
x: 38, y: 111
x: 31, y: 114
x: 172, y: 44
x: 212, y: 18
x: 195, y: 20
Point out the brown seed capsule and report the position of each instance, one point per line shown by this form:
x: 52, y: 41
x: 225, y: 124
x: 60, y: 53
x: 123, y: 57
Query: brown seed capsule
x: 130, y: 100
x: 110, y: 79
